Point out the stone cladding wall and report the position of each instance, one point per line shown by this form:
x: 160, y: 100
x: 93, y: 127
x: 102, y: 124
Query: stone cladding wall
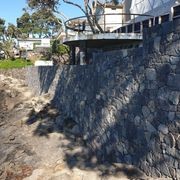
x: 127, y: 102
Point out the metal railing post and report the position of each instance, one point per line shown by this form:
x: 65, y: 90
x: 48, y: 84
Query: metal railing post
x: 133, y: 25
x: 141, y: 27
x: 75, y: 24
x: 104, y: 23
x: 171, y: 14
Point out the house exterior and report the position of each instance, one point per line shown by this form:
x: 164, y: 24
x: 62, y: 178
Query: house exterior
x: 112, y: 16
x: 150, y: 7
x: 108, y: 15
x: 145, y: 6
x: 28, y: 44
x: 45, y: 43
x: 28, y: 47
x: 31, y: 43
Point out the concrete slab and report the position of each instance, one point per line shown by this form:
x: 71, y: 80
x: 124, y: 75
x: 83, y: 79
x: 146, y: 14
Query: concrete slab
x: 95, y: 40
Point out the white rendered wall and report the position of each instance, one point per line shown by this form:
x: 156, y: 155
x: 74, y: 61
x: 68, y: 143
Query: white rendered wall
x: 144, y: 6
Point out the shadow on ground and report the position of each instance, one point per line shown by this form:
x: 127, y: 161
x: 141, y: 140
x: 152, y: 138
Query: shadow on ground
x: 77, y: 153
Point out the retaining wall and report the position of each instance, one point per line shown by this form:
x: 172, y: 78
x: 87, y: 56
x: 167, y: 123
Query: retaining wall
x: 127, y: 102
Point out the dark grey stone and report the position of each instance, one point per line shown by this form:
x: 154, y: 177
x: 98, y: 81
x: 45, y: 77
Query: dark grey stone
x: 178, y: 115
x: 170, y: 140
x: 163, y: 129
x: 171, y: 116
x: 151, y: 74
x: 178, y: 68
x: 167, y: 28
x: 163, y: 94
x: 151, y: 85
x: 156, y: 44
x: 128, y: 159
x: 163, y: 71
x: 176, y: 26
x: 150, y: 127
x: 178, y: 143
x: 174, y: 81
x: 145, y: 111
x: 174, y: 97
x: 152, y: 106
x: 76, y: 130
x: 165, y: 106
x: 174, y: 60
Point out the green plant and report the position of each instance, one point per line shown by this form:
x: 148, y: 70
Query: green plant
x: 63, y: 49
x: 17, y: 63
x: 59, y: 49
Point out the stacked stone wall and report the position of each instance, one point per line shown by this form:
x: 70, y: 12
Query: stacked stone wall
x: 127, y: 102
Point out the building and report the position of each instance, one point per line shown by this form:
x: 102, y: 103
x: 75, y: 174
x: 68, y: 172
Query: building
x: 150, y: 7
x: 121, y: 26
x: 30, y: 44
x: 111, y: 16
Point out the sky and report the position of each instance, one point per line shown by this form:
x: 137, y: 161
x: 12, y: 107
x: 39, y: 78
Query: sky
x: 10, y: 10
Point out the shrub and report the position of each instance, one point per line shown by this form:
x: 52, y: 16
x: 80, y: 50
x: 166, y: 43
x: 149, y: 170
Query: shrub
x: 59, y: 49
x: 63, y: 49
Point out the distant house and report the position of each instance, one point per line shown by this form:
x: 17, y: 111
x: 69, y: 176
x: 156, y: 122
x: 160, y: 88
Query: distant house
x: 30, y: 46
x: 45, y: 43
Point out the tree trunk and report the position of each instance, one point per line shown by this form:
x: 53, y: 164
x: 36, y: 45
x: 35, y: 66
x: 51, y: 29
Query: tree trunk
x: 86, y: 12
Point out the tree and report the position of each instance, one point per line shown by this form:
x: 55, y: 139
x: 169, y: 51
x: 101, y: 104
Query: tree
x: 41, y: 23
x: 24, y: 24
x: 88, y: 8
x: 7, y: 36
x: 45, y: 4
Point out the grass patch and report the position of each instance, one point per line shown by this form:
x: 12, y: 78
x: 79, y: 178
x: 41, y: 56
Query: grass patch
x: 17, y: 63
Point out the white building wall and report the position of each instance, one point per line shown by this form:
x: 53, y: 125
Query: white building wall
x: 113, y: 20
x: 44, y: 43
x: 150, y: 7
x: 29, y: 44
x: 26, y: 45
x: 144, y: 6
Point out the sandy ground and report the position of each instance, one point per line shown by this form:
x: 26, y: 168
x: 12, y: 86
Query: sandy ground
x: 34, y: 145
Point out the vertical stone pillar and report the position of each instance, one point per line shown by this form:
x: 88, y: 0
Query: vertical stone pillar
x: 72, y: 55
x: 83, y: 53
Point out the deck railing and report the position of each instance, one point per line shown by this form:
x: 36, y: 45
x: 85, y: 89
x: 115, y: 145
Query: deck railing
x: 115, y: 22
x: 107, y: 22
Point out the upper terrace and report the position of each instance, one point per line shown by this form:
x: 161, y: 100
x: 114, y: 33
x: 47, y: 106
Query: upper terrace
x: 116, y: 31
x: 78, y: 29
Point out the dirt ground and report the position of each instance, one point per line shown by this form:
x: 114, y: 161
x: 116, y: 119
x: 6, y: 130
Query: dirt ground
x: 36, y: 144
